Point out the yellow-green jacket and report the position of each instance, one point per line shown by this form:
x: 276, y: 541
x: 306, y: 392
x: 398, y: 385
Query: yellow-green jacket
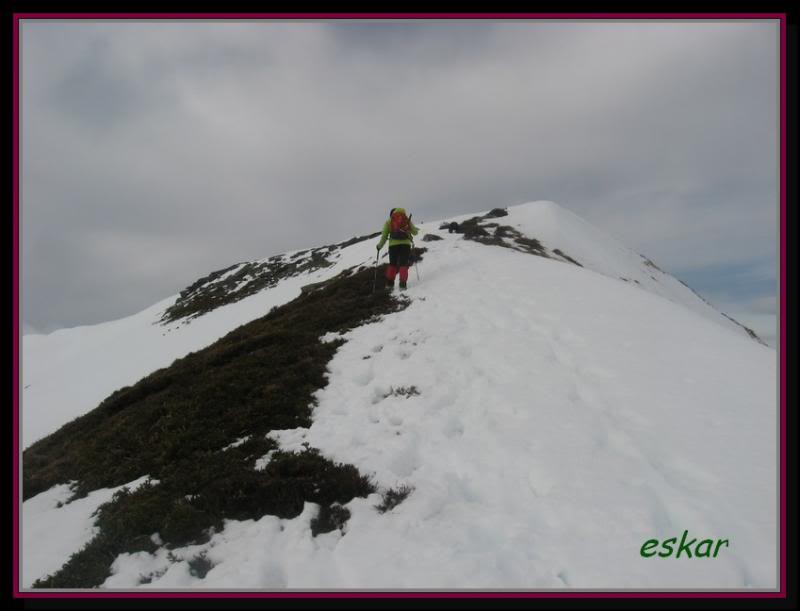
x: 385, y: 233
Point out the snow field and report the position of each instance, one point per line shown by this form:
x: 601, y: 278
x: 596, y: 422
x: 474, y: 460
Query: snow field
x: 69, y: 372
x: 537, y: 411
x: 54, y: 528
x: 549, y: 419
x: 542, y: 448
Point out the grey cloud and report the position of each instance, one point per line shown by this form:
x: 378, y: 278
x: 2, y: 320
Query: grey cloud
x: 765, y: 305
x: 97, y: 97
x: 213, y: 143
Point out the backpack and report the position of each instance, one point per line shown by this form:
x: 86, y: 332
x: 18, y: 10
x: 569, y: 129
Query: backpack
x: 399, y: 226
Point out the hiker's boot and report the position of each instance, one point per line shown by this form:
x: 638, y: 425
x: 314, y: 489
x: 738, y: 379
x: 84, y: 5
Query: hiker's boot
x: 403, y: 273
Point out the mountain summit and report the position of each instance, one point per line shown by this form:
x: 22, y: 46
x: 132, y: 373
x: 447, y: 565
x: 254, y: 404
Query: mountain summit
x: 539, y: 405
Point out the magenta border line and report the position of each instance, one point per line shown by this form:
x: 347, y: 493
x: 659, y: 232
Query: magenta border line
x: 408, y: 594
x: 400, y: 16
x: 782, y: 224
x: 388, y: 16
x: 15, y: 307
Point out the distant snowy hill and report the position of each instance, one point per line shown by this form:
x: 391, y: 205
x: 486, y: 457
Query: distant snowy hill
x: 548, y: 400
x: 566, y: 236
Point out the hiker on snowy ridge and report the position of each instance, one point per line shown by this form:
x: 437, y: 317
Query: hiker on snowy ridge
x: 398, y: 229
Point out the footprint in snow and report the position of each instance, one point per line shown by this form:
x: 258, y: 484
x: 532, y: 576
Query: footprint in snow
x: 561, y: 355
x: 405, y: 460
x: 379, y: 393
x: 395, y: 420
x: 574, y: 395
x: 588, y: 397
x: 539, y: 481
x: 364, y: 375
x: 453, y: 427
x: 681, y: 472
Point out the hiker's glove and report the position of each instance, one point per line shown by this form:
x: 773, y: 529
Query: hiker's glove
x: 377, y: 246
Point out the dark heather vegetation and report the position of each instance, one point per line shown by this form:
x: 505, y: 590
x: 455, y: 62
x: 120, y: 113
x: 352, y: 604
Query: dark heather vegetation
x: 649, y: 263
x: 330, y: 518
x: 417, y: 253
x: 479, y: 230
x: 199, y: 566
x: 403, y: 391
x: 244, y: 279
x: 392, y: 498
x: 176, y: 425
x: 494, y: 234
x: 566, y: 257
x: 748, y: 330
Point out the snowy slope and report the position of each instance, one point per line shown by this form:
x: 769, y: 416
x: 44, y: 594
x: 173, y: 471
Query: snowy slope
x: 74, y: 527
x: 67, y: 373
x: 559, y: 418
x: 557, y: 428
x: 559, y: 229
x: 542, y: 447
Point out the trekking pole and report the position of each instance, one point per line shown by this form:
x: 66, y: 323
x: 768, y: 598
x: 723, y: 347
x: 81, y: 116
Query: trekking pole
x: 414, y: 260
x: 375, y: 274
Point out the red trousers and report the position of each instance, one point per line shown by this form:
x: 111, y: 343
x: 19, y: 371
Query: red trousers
x: 391, y: 272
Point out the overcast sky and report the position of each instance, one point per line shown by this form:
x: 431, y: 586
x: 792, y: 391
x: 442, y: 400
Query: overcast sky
x: 156, y: 152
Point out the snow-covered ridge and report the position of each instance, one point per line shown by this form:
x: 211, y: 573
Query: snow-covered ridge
x: 243, y: 280
x: 559, y: 418
x: 552, y: 430
x: 69, y: 372
x: 564, y: 235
